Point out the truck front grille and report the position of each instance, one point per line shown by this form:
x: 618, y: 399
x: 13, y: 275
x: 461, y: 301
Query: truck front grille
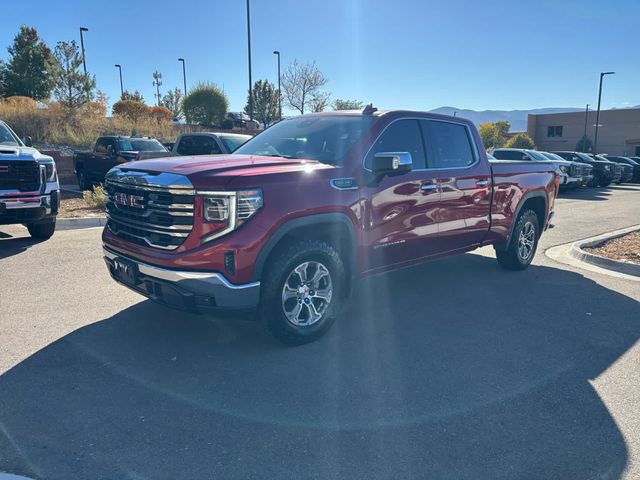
x: 149, y: 215
x: 20, y: 175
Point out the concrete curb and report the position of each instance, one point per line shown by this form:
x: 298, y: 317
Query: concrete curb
x: 619, y: 266
x: 82, y: 222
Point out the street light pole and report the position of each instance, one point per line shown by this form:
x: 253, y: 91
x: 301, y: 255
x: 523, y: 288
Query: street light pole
x: 84, y: 62
x: 121, y: 87
x: 595, y: 140
x: 184, y: 75
x: 584, y: 135
x: 277, y: 52
x: 249, y: 50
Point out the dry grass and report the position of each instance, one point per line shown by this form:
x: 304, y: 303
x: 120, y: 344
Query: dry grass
x: 56, y: 125
x: 95, y: 198
x: 625, y: 248
x: 72, y: 205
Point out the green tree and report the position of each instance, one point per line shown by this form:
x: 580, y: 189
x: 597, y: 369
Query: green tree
x: 3, y: 78
x: 32, y: 67
x: 206, y: 105
x: 520, y: 140
x: 584, y: 145
x: 320, y: 101
x: 73, y: 89
x: 265, y: 102
x: 340, y: 104
x: 135, y: 96
x: 300, y: 83
x: 173, y: 101
x: 494, y: 135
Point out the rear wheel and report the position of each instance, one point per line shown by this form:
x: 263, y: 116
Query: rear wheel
x: 83, y: 183
x: 42, y: 231
x: 303, y: 290
x: 524, y: 242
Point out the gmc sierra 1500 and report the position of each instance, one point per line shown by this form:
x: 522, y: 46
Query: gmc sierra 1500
x: 296, y: 214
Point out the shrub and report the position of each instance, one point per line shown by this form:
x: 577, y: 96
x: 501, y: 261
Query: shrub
x: 205, y: 105
x: 130, y: 109
x: 520, y: 140
x: 160, y: 114
x: 96, y: 198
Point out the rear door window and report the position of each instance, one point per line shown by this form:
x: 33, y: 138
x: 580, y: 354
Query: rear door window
x: 449, y: 145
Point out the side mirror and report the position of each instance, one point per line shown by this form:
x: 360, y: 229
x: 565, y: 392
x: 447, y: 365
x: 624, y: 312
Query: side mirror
x: 28, y: 142
x: 391, y: 163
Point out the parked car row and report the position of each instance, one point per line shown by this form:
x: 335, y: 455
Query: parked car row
x: 579, y: 169
x: 112, y: 150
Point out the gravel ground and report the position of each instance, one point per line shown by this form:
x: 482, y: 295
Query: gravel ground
x: 625, y: 248
x: 72, y: 205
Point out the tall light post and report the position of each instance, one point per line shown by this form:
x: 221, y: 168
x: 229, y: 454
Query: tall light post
x: 249, y: 51
x: 119, y: 67
x: 184, y: 75
x: 595, y: 140
x: 584, y: 135
x: 84, y: 62
x: 157, y: 81
x: 277, y: 52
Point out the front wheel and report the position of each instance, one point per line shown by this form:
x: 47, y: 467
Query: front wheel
x: 83, y: 182
x: 42, y: 231
x: 524, y: 242
x: 303, y: 290
x: 605, y: 183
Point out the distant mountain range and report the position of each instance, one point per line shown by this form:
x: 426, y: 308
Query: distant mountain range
x: 517, y: 118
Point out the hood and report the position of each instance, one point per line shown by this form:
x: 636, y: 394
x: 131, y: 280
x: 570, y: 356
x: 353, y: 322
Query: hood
x: 10, y: 152
x: 207, y: 169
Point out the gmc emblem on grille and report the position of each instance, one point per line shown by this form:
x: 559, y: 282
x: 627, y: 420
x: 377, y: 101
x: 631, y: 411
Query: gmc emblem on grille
x: 128, y: 200
x: 4, y: 169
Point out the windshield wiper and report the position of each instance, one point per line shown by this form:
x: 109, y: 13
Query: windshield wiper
x: 282, y: 155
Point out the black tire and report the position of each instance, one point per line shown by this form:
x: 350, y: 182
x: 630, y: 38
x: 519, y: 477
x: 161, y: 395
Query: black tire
x: 281, y: 269
x: 594, y: 181
x: 605, y: 183
x: 513, y: 257
x: 83, y: 183
x: 42, y: 231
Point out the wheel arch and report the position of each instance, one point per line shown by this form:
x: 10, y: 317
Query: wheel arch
x: 335, y: 228
x: 537, y: 201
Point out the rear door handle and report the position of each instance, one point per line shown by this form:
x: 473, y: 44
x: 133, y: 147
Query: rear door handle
x: 426, y: 187
x: 482, y: 183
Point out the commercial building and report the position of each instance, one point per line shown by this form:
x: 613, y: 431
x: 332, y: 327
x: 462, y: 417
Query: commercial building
x: 619, y: 132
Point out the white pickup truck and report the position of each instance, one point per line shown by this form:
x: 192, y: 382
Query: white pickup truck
x: 29, y: 189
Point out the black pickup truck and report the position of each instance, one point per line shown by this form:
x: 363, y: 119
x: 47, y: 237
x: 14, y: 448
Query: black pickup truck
x: 111, y: 151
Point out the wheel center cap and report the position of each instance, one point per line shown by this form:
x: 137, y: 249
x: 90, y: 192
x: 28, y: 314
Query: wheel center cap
x: 303, y: 291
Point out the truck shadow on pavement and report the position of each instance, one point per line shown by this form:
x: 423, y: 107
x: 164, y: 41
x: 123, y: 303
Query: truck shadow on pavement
x: 450, y: 370
x: 10, y: 246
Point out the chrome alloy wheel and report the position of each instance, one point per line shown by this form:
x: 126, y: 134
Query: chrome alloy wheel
x: 306, y: 293
x: 526, y: 241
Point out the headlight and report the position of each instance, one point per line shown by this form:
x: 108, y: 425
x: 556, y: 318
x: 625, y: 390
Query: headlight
x: 223, y: 212
x: 49, y: 171
x: 564, y: 169
x: 607, y: 167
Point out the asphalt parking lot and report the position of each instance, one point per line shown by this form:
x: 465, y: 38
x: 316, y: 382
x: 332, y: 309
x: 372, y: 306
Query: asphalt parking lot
x: 451, y: 370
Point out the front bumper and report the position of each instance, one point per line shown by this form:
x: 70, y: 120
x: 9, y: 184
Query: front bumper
x: 28, y: 208
x: 193, y: 291
x: 570, y: 181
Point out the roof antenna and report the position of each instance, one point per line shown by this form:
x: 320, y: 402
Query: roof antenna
x: 369, y: 109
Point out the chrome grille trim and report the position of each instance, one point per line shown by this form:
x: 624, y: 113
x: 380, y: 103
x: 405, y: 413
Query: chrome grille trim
x: 158, y: 208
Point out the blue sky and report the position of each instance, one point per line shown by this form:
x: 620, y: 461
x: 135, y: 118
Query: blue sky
x: 417, y: 54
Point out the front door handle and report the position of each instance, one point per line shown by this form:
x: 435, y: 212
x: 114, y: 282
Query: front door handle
x: 482, y: 183
x: 426, y: 187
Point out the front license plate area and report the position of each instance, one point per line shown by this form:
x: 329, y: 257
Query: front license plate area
x: 126, y: 271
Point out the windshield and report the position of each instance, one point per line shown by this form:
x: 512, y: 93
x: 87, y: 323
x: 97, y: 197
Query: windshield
x: 552, y: 156
x: 326, y: 139
x: 7, y: 137
x: 537, y: 155
x: 233, y: 141
x: 584, y: 156
x: 141, y: 145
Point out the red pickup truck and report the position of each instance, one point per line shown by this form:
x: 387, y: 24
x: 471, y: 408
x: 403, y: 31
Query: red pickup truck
x: 288, y: 222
